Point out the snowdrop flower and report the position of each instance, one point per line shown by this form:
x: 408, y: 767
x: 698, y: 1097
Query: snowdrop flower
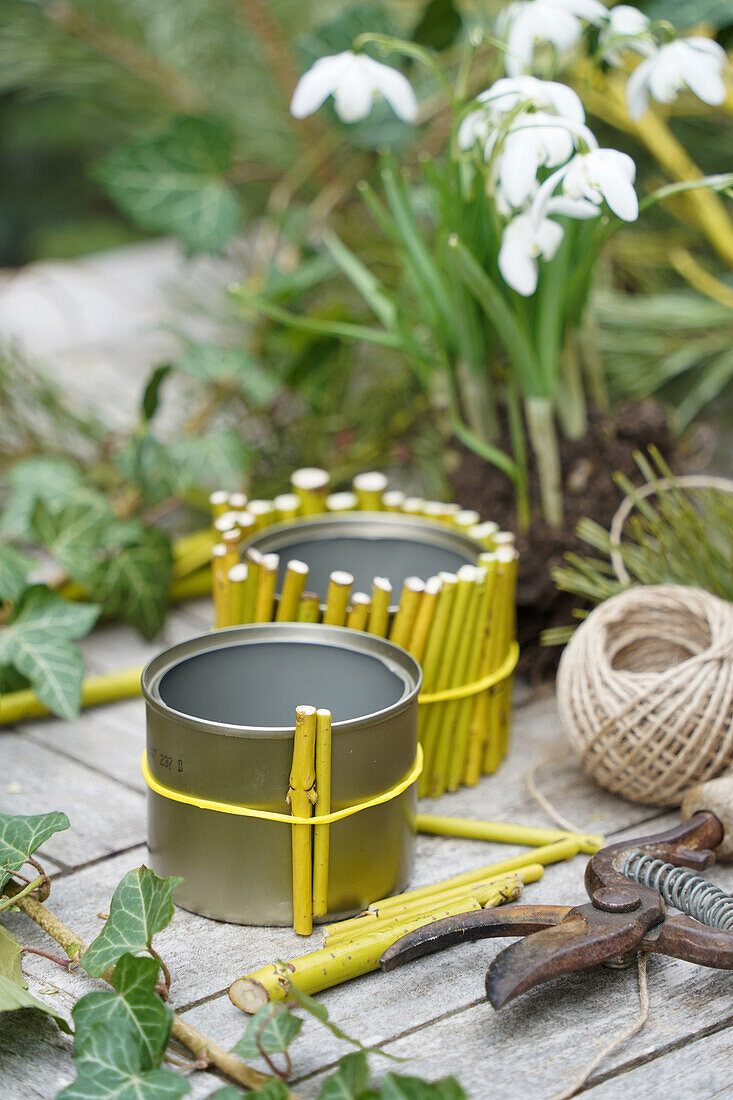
x: 604, y: 174
x: 354, y: 80
x: 695, y: 63
x: 525, y: 241
x: 534, y: 141
x: 530, y: 22
x: 542, y: 135
x: 622, y: 27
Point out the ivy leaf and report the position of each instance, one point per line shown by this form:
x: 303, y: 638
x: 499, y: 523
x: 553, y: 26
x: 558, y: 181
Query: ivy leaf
x: 233, y: 367
x: 215, y: 459
x: 33, y: 479
x: 141, y: 906
x: 14, y: 569
x: 175, y: 182
x: 37, y: 644
x: 151, y: 394
x: 134, y: 1002
x: 350, y: 1081
x: 395, y: 1087
x: 110, y: 1067
x: 132, y: 582
x: 21, y: 836
x: 13, y: 988
x: 73, y: 532
x: 146, y: 461
x: 271, y: 1029
x: 273, y: 1090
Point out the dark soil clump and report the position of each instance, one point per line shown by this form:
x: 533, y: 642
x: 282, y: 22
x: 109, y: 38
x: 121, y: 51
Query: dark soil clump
x: 588, y: 466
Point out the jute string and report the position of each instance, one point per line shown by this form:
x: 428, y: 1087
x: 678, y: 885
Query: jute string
x: 645, y: 692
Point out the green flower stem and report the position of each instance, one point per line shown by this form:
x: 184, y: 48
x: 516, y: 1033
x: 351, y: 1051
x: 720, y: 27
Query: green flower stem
x: 571, y: 404
x: 11, y: 902
x: 540, y: 416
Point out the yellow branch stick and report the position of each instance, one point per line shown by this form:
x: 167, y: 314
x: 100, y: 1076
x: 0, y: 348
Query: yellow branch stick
x: 296, y: 574
x: 287, y: 507
x: 330, y: 966
x: 413, y: 506
x: 341, y: 502
x: 547, y: 853
x: 219, y: 503
x: 309, y: 610
x: 310, y: 484
x: 437, y: 734
x: 358, y: 616
x: 497, y: 832
x: 337, y: 600
x: 263, y: 512
x: 253, y: 559
x: 266, y: 584
x: 483, y: 534
x: 220, y: 566
x: 465, y: 519
x: 479, y: 706
x: 483, y: 889
x: 237, y: 586
x: 404, y: 620
x: 459, y: 748
x: 369, y: 488
x: 434, y: 656
x: 379, y: 614
x: 110, y: 687
x: 321, y: 833
x: 393, y: 500
x: 301, y: 796
x: 424, y: 618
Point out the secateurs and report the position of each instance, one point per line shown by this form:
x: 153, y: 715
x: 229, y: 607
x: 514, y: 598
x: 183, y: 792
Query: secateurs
x: 630, y: 885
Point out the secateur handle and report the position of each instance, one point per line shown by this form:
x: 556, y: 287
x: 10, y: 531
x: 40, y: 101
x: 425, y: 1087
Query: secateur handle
x: 716, y: 797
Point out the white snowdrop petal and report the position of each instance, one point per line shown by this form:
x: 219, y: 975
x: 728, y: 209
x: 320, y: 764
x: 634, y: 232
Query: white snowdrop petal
x: 518, y: 269
x: 520, y: 45
x: 472, y: 129
x: 396, y: 89
x: 702, y: 79
x: 707, y: 46
x: 583, y: 9
x: 560, y: 28
x: 627, y: 20
x: 353, y: 95
x: 517, y: 167
x: 620, y: 196
x: 549, y: 238
x: 665, y: 78
x: 637, y: 96
x: 583, y: 209
x: 565, y: 101
x: 317, y: 84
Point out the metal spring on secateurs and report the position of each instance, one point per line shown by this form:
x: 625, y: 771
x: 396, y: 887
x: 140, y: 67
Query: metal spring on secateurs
x: 682, y: 889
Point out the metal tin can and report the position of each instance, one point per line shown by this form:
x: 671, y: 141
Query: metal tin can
x: 368, y: 544
x: 220, y: 726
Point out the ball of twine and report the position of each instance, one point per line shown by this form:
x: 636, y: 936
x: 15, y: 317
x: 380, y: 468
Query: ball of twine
x: 645, y: 691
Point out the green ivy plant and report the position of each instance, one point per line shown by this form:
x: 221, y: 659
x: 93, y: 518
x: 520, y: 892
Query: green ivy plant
x: 121, y: 1035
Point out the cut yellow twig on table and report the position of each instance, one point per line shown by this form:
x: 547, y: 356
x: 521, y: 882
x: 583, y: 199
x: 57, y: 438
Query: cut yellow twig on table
x: 497, y: 832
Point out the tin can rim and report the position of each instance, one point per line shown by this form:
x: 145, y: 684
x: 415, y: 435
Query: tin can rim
x: 393, y: 657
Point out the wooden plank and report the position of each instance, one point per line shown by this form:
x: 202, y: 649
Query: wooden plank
x: 105, y: 816
x: 703, y: 1069
x: 109, y: 739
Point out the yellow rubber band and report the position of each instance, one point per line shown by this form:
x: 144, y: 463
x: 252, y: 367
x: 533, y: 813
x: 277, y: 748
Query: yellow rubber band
x: 269, y: 815
x: 476, y: 686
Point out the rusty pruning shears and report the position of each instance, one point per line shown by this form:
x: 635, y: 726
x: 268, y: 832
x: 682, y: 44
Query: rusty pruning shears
x: 630, y: 885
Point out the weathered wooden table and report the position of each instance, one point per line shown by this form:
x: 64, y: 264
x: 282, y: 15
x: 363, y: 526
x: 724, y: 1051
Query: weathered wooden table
x: 432, y: 1012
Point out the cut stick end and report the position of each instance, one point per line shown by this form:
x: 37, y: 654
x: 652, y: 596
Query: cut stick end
x: 238, y: 573
x: 370, y: 482
x: 309, y: 478
x: 341, y: 578
x: 297, y: 566
x: 304, y: 711
x: 248, y: 995
x: 383, y: 583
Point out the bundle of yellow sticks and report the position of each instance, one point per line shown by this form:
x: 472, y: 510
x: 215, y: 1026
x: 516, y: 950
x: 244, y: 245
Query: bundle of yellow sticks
x: 459, y: 626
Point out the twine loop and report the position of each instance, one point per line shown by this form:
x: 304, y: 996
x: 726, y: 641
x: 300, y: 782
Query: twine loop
x: 645, y: 692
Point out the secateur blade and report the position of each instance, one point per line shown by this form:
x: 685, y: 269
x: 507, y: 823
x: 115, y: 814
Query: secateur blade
x: 585, y: 937
x: 514, y: 920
